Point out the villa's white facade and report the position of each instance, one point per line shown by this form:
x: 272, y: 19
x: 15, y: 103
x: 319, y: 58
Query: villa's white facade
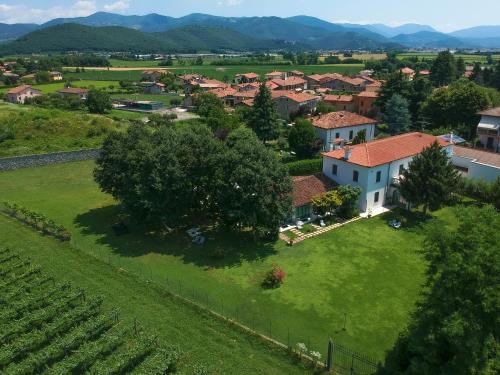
x: 376, y: 166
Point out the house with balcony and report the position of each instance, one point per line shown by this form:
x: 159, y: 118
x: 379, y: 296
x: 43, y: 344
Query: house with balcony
x: 488, y: 130
x: 376, y: 166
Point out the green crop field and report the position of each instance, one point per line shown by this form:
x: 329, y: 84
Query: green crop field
x: 470, y: 59
x: 49, y: 88
x: 165, y: 99
x: 217, y: 72
x: 364, y: 275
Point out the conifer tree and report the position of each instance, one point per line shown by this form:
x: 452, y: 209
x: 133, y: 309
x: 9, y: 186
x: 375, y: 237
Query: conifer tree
x: 397, y: 116
x: 264, y: 119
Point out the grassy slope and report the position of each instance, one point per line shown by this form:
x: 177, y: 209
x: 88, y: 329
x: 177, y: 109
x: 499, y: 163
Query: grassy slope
x: 365, y: 270
x: 40, y: 130
x: 203, y: 338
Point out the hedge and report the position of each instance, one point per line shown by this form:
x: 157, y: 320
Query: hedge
x: 305, y: 167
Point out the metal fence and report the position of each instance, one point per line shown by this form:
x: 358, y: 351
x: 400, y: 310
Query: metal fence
x: 345, y: 360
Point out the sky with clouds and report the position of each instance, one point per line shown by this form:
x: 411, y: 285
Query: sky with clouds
x: 444, y: 15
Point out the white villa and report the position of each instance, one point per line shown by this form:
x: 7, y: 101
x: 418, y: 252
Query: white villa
x: 338, y: 128
x: 376, y: 166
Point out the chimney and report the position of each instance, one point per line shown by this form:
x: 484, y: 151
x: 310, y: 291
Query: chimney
x: 451, y: 138
x: 347, y: 153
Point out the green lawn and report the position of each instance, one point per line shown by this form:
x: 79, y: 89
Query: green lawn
x: 217, y: 72
x: 49, y: 88
x: 470, y: 59
x: 202, y: 338
x: 365, y: 271
x: 165, y: 99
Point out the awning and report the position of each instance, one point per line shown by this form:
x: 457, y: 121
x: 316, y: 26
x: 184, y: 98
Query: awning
x: 488, y: 126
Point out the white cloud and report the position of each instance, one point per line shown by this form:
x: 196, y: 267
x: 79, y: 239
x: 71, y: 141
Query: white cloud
x: 118, y: 6
x: 230, y: 3
x: 22, y: 13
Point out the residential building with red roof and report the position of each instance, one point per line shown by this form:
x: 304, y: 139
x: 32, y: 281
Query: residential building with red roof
x: 342, y: 127
x: 364, y: 103
x: 276, y: 75
x: 154, y: 88
x: 409, y: 73
x: 152, y: 75
x: 290, y: 83
x: 296, y: 73
x: 18, y: 95
x: 341, y: 102
x: 476, y: 164
x: 74, y: 91
x: 377, y: 165
x: 488, y: 130
x: 305, y: 188
x: 290, y: 103
x: 246, y: 78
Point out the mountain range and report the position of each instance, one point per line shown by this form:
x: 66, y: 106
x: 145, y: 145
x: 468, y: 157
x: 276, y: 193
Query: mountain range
x: 201, y: 32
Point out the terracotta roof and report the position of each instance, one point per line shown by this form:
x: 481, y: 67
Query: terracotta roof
x: 338, y: 98
x: 425, y: 72
x: 305, y: 188
x: 341, y: 119
x: 248, y: 86
x: 479, y: 156
x: 248, y: 102
x: 383, y: 151
x: 223, y: 92
x: 19, y: 89
x: 246, y: 94
x: 271, y: 85
x: 297, y: 72
x: 290, y: 81
x: 190, y: 77
x: 321, y: 78
x: 248, y: 75
x: 295, y: 96
x: 73, y: 90
x: 351, y: 81
x: 368, y: 94
x: 407, y: 70
x: 274, y: 74
x: 494, y: 112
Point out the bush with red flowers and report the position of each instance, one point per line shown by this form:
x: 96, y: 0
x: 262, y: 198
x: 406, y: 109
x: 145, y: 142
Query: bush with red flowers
x: 274, y: 278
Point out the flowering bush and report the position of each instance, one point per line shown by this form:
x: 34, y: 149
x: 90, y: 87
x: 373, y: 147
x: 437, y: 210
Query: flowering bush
x: 274, y: 278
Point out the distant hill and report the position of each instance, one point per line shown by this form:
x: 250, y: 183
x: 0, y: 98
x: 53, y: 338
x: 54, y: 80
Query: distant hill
x: 429, y: 39
x: 11, y: 32
x: 72, y: 37
x: 479, y: 32
x: 388, y: 31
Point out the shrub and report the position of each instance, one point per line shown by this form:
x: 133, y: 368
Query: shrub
x: 274, y: 278
x: 305, y: 167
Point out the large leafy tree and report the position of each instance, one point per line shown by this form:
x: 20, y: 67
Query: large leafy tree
x: 256, y: 189
x: 395, y: 84
x: 264, y: 119
x: 455, y: 329
x: 397, y: 116
x: 444, y: 69
x: 456, y: 106
x: 430, y: 179
x: 98, y: 101
x: 420, y: 89
x: 302, y: 139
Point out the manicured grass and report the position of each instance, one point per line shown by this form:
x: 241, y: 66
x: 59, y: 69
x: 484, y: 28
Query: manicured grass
x: 432, y: 55
x: 202, y: 338
x: 364, y: 271
x: 217, y: 72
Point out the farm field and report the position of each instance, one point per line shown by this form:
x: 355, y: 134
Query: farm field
x: 365, y: 275
x: 49, y: 88
x: 217, y: 72
x: 432, y: 55
x: 165, y: 99
x: 201, y: 338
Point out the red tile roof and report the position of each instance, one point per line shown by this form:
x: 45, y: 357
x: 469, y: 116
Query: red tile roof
x: 383, y: 151
x: 274, y: 74
x: 290, y: 81
x: 248, y: 75
x: 248, y: 102
x: 479, y: 156
x: 407, y: 70
x: 341, y: 119
x: 305, y: 188
x: 494, y: 112
x: 368, y: 94
x: 19, y: 89
x: 223, y: 92
x: 338, y: 98
x: 295, y: 96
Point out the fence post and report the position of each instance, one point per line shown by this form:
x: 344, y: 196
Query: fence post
x: 329, y: 359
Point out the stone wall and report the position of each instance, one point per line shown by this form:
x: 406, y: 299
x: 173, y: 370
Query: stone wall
x: 28, y: 161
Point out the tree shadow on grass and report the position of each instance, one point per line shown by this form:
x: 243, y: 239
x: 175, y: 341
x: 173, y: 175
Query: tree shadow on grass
x: 235, y: 247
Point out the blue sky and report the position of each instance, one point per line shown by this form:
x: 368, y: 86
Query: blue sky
x: 444, y: 15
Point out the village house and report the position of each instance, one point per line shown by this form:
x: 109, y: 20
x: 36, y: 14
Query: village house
x: 227, y: 95
x: 476, y: 164
x: 246, y: 78
x: 338, y: 128
x: 316, y: 81
x: 202, y: 84
x: 18, y: 95
x: 154, y: 88
x: 305, y: 188
x: 276, y: 75
x: 296, y: 73
x: 290, y: 83
x: 488, y: 130
x: 74, y: 92
x: 56, y: 76
x: 409, y: 73
x: 364, y: 103
x: 290, y: 104
x: 152, y: 75
x: 12, y: 76
x: 376, y: 166
x: 340, y: 102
